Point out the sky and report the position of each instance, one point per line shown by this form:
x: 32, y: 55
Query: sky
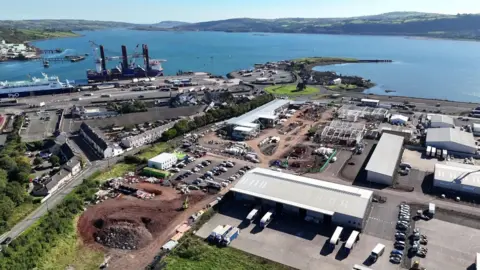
x: 151, y: 11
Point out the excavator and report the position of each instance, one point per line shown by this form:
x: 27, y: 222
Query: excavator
x: 185, y: 204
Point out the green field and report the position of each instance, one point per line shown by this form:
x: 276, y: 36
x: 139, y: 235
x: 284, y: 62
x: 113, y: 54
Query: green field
x: 290, y: 90
x: 342, y: 87
x: 70, y: 253
x: 195, y: 254
x: 116, y: 170
x: 154, y: 150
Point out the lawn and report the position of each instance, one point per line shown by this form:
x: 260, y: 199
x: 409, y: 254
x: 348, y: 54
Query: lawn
x: 194, y: 254
x: 154, y: 150
x: 290, y: 90
x: 342, y: 87
x: 116, y: 170
x: 70, y: 253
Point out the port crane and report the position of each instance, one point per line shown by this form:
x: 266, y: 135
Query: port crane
x: 98, y: 59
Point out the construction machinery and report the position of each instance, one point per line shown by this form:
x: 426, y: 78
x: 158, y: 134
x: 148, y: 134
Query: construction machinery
x: 185, y: 203
x: 416, y: 266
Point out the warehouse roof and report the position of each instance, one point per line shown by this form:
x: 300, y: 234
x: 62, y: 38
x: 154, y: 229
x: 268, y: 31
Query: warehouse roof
x: 385, y: 157
x: 399, y: 117
x: 243, y: 129
x: 310, y: 194
x: 457, y: 173
x: 439, y: 118
x: 450, y: 135
x: 264, y: 110
x: 162, y: 157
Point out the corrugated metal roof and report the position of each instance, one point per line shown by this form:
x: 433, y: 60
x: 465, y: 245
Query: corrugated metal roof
x: 450, y: 135
x: 384, y: 158
x: 310, y: 194
x: 436, y: 119
x: 266, y: 109
x: 457, y: 173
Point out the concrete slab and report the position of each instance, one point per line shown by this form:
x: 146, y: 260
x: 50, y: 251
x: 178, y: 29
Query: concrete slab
x: 419, y: 161
x: 450, y: 246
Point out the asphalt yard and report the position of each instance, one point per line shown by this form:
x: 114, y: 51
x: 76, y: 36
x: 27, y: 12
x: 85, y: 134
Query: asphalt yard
x: 450, y: 246
x: 39, y: 127
x: 294, y: 242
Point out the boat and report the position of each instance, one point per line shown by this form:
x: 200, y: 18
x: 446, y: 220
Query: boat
x: 126, y: 70
x: 46, y: 64
x: 34, y: 86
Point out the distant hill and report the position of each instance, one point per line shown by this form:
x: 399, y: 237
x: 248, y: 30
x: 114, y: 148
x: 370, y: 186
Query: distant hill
x: 169, y: 24
x: 13, y: 35
x: 462, y: 26
x: 64, y: 25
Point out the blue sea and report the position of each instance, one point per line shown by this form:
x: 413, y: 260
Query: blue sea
x: 443, y: 69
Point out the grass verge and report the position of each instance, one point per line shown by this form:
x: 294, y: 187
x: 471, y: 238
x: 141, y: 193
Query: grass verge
x: 70, y: 252
x: 19, y: 213
x: 290, y: 90
x: 154, y: 150
x: 116, y: 170
x: 196, y: 254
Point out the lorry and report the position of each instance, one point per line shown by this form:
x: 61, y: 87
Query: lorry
x: 444, y: 154
x: 434, y: 151
x: 429, y: 151
x: 266, y: 219
x: 222, y: 233
x: 211, y: 237
x: 439, y: 153
x: 251, y: 216
x: 377, y: 252
x: 336, y: 236
x: 352, y: 240
x: 230, y: 236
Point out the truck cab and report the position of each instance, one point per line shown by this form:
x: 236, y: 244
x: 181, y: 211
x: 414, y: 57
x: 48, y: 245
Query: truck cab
x: 377, y: 252
x: 251, y: 216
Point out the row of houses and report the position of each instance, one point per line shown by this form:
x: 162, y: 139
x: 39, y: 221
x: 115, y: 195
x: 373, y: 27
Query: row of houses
x: 147, y: 137
x: 102, y: 146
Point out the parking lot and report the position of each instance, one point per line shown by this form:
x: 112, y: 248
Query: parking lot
x: 39, y: 128
x: 418, y: 160
x: 294, y: 242
x: 222, y: 177
x: 450, y: 246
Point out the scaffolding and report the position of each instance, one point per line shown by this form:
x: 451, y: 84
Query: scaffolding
x: 341, y: 132
x: 352, y: 113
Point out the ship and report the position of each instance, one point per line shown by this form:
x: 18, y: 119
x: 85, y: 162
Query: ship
x: 125, y: 70
x: 35, y: 86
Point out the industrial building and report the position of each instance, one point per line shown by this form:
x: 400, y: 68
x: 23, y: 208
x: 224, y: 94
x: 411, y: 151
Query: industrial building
x: 99, y: 143
x: 164, y: 161
x: 381, y: 167
x: 265, y: 116
x: 341, y: 132
x: 370, y: 102
x: 457, y: 177
x: 440, y: 121
x: 328, y: 202
x: 352, y: 113
x: 451, y: 139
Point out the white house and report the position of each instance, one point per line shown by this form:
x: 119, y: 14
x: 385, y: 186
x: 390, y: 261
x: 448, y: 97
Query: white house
x: 98, y: 142
x: 164, y: 161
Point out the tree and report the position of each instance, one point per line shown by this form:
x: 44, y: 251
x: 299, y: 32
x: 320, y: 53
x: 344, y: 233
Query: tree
x: 55, y: 160
x: 6, y: 207
x: 38, y: 145
x: 8, y: 163
x: 37, y: 161
x: 15, y: 192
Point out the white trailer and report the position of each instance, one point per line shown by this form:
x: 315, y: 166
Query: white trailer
x: 444, y: 154
x: 222, y: 232
x: 429, y: 151
x: 251, y: 216
x: 377, y: 252
x: 266, y: 219
x: 336, y: 236
x: 431, y: 209
x: 352, y: 240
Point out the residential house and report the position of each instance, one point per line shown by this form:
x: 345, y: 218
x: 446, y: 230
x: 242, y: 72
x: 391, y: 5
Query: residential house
x: 147, y: 137
x: 52, y: 184
x: 99, y: 143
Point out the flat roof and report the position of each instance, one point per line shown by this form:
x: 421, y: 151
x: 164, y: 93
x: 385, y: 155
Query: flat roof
x: 162, y: 157
x: 440, y: 118
x: 370, y: 100
x: 265, y: 109
x: 385, y: 157
x: 310, y: 194
x: 458, y: 173
x: 450, y: 135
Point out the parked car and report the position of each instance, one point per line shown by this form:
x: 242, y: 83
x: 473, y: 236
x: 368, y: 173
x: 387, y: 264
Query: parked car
x: 7, y: 241
x: 398, y: 252
x: 395, y: 260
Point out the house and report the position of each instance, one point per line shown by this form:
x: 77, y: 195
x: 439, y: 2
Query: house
x: 73, y: 166
x: 52, y: 184
x: 99, y: 143
x: 337, y: 81
x: 147, y: 137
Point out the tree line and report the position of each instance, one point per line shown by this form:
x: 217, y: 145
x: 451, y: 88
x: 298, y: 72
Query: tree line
x: 15, y: 172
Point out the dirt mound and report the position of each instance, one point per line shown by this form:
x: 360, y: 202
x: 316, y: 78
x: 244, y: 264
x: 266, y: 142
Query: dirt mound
x: 124, y: 235
x: 130, y: 223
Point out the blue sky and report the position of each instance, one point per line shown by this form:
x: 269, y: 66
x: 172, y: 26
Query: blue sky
x: 150, y: 11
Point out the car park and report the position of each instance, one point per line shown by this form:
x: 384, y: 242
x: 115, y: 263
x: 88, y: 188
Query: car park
x: 395, y: 260
x: 398, y: 252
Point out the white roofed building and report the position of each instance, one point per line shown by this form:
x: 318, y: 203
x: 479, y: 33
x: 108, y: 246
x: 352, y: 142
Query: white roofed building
x: 332, y: 203
x: 451, y: 139
x: 164, y: 161
x: 399, y: 119
x: 457, y: 177
x: 381, y: 167
x: 440, y: 121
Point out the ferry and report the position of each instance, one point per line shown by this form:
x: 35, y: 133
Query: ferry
x: 34, y: 87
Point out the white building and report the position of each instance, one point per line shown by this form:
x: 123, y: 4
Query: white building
x: 164, y: 161
x: 476, y: 129
x: 73, y: 166
x: 337, y: 81
x: 381, y: 167
x: 451, y: 139
x: 329, y: 202
x: 52, y: 184
x: 457, y: 177
x: 147, y: 137
x: 99, y: 143
x: 440, y: 121
x: 370, y: 102
x: 398, y: 119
